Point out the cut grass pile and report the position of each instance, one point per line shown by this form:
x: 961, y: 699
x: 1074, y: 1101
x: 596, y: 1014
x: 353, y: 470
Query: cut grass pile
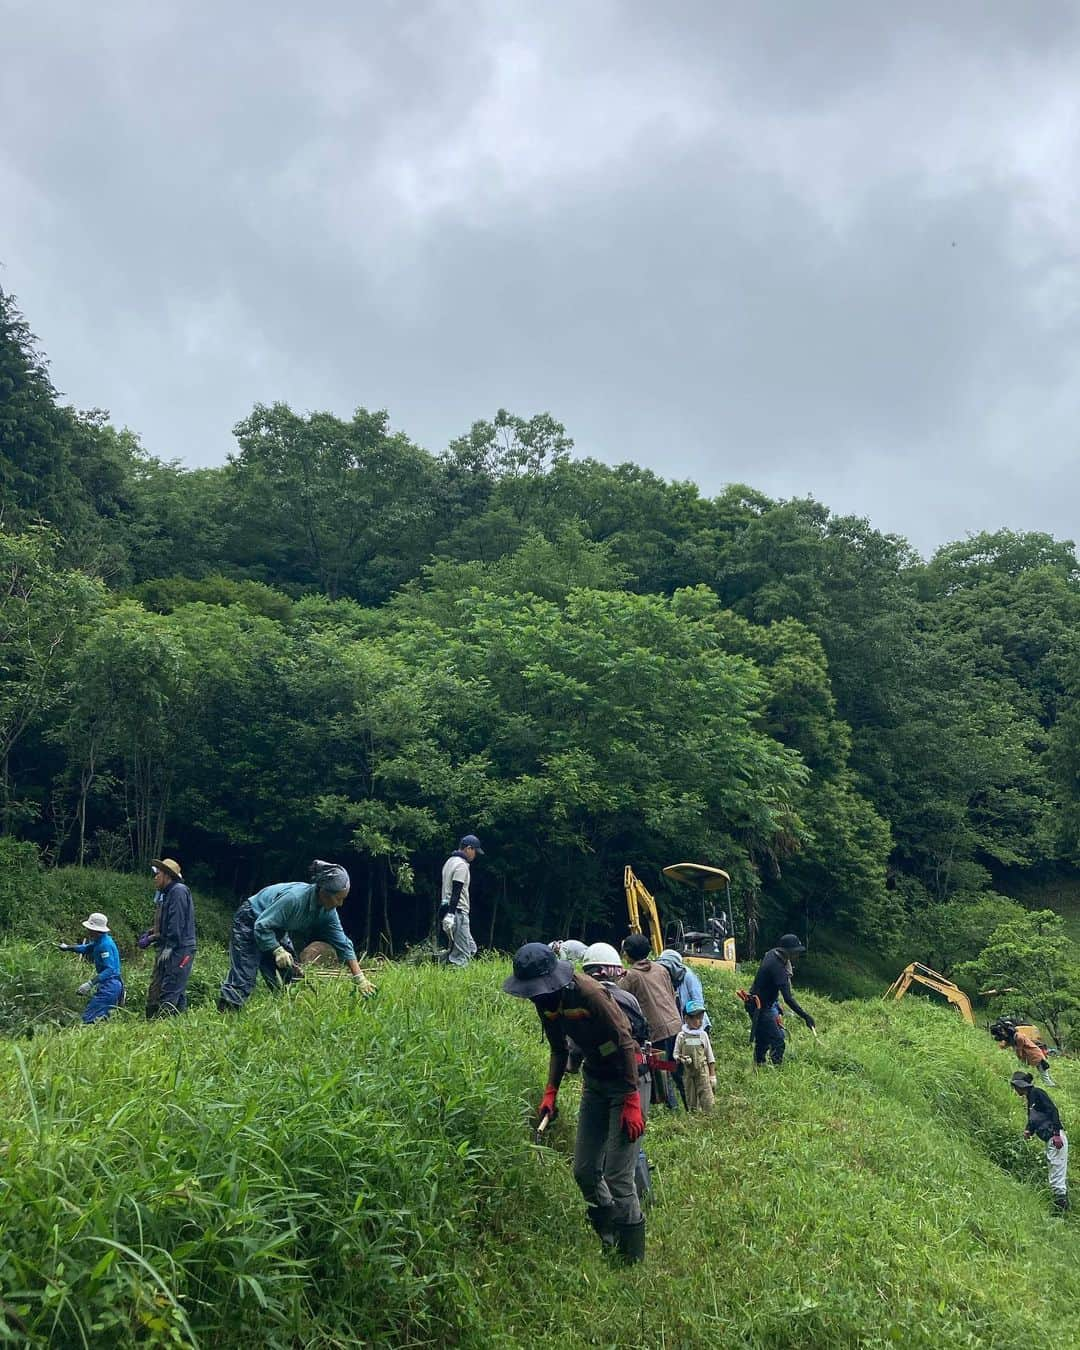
x: 325, y: 1172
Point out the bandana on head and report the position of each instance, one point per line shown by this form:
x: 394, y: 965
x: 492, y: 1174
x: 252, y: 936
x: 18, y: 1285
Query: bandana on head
x: 329, y: 877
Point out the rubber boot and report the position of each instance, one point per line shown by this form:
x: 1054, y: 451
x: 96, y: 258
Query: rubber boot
x: 631, y: 1237
x: 1061, y: 1200
x: 602, y: 1218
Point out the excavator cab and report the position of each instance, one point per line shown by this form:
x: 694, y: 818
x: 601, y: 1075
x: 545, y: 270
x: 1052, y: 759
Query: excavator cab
x: 711, y: 945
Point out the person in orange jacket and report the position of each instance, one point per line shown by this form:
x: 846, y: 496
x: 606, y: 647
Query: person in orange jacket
x: 610, y: 1118
x: 1028, y: 1051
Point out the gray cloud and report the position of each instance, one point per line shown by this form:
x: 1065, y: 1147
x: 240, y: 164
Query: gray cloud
x: 825, y: 249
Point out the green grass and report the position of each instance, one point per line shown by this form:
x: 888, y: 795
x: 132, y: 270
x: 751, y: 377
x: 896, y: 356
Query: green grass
x: 323, y: 1172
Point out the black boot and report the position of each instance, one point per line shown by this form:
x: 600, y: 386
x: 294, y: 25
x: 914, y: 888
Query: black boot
x: 602, y: 1218
x: 631, y: 1238
x: 1061, y: 1200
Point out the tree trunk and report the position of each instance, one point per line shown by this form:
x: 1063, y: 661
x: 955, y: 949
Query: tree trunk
x: 386, y: 934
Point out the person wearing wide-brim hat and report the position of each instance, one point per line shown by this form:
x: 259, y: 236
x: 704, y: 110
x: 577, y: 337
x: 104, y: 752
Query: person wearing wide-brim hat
x: 174, y: 937
x: 610, y: 1119
x: 105, y: 986
x: 1044, y: 1122
x: 773, y: 981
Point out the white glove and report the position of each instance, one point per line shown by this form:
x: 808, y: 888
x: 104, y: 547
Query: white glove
x: 86, y: 988
x: 448, y: 924
x: 363, y: 986
x: 283, y: 958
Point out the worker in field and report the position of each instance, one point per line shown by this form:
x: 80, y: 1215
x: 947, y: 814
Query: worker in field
x: 1044, y: 1123
x: 694, y: 1052
x: 174, y: 939
x: 454, y: 901
x: 105, y: 986
x: 261, y: 944
x: 771, y: 983
x: 1028, y: 1050
x: 610, y: 1118
x: 650, y: 984
x: 601, y: 961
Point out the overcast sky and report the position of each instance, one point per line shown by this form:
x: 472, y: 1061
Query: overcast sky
x: 827, y: 249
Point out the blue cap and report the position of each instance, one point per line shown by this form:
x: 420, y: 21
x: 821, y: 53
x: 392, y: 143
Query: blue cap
x: 470, y: 841
x: 693, y: 1005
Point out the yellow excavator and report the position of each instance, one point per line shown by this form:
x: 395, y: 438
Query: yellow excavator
x: 917, y: 973
x: 713, y: 945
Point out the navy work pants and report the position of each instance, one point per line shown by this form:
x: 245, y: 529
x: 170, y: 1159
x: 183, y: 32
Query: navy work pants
x: 168, y: 986
x: 247, y: 961
x: 768, y: 1037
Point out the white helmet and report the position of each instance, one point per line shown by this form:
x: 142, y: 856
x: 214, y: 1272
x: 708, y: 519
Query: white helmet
x: 601, y: 954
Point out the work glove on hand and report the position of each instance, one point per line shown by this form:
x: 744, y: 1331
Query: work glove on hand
x: 1027, y: 1134
x: 448, y: 923
x: 144, y: 940
x: 363, y: 986
x: 632, y: 1121
x: 283, y: 959
x: 86, y: 987
x: 712, y: 1081
x: 547, y: 1102
x: 809, y: 1021
x: 1057, y: 1141
x: 65, y: 946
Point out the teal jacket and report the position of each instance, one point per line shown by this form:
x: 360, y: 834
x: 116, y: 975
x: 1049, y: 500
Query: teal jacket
x: 293, y: 905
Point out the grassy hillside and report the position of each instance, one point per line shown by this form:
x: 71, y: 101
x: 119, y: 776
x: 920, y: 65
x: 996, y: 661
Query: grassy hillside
x: 323, y: 1172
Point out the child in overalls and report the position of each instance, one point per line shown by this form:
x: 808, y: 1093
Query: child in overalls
x: 693, y: 1050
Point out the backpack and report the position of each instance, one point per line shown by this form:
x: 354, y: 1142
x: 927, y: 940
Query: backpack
x: 639, y: 1026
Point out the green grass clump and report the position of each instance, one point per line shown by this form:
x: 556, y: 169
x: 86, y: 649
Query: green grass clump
x: 321, y: 1172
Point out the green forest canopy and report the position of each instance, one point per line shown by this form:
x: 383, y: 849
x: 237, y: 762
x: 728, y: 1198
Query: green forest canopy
x: 338, y: 643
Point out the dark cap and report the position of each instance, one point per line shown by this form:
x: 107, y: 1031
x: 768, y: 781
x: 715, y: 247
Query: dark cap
x: 470, y: 841
x: 1021, y: 1081
x: 537, y: 970
x: 790, y: 943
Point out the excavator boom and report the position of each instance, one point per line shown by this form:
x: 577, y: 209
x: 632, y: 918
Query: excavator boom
x: 917, y: 973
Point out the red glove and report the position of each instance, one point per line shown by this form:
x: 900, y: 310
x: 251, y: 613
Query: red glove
x: 632, y: 1121
x: 1057, y: 1141
x: 547, y: 1104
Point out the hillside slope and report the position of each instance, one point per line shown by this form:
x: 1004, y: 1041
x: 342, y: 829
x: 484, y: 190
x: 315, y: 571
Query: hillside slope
x: 321, y: 1172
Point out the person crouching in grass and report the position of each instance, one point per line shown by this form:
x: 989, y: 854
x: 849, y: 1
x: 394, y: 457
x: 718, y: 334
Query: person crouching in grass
x: 1044, y: 1123
x: 260, y: 941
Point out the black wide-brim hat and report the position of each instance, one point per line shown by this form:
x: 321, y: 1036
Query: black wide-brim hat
x: 537, y: 970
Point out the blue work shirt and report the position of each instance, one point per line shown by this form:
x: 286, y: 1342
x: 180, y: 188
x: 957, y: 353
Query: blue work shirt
x: 295, y: 905
x: 105, y: 956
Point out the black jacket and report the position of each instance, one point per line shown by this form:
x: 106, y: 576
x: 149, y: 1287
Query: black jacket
x: 772, y: 980
x: 1043, y: 1120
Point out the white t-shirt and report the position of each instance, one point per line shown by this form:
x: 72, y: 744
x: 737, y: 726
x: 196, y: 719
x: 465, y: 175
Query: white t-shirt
x: 455, y: 868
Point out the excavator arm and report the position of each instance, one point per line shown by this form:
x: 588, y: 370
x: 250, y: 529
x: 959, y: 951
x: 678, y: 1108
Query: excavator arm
x: 920, y: 974
x: 639, y: 900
